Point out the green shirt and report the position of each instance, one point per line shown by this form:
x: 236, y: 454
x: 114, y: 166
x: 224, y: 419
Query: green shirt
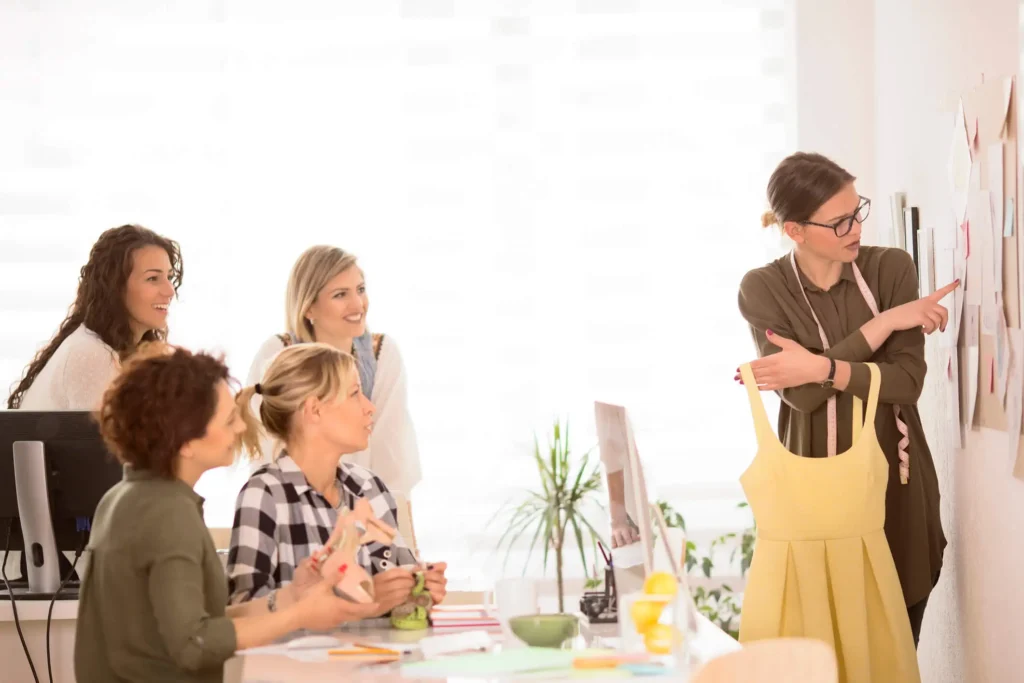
x: 770, y: 298
x: 152, y: 605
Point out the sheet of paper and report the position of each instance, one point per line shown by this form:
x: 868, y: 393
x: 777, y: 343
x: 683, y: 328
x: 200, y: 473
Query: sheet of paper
x: 944, y: 274
x: 551, y: 663
x: 1003, y: 355
x: 995, y: 185
x: 995, y: 181
x: 989, y: 314
x: 981, y: 234
x: 1015, y: 391
x: 1007, y: 92
x: 1009, y: 217
x: 897, y: 203
x: 972, y: 385
x: 975, y: 256
x: 959, y: 167
x: 971, y: 330
x: 971, y: 315
x: 1020, y: 255
x: 960, y: 294
x: 925, y: 262
x: 953, y: 373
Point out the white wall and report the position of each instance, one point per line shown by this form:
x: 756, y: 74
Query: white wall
x: 832, y: 85
x: 926, y: 53
x: 899, y: 66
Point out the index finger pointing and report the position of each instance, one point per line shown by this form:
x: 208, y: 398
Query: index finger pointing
x: 941, y: 293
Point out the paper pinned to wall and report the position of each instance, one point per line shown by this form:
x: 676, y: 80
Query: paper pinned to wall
x: 1009, y: 217
x: 925, y: 262
x: 996, y: 239
x: 1007, y: 93
x: 972, y: 313
x: 959, y: 164
x: 945, y: 272
x: 897, y: 203
x: 975, y: 252
x: 953, y: 365
x: 981, y: 234
x: 1015, y: 390
x: 995, y: 181
x: 960, y: 293
x: 989, y: 314
x: 1003, y: 353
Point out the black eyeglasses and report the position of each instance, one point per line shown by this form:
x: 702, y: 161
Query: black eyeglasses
x: 843, y: 226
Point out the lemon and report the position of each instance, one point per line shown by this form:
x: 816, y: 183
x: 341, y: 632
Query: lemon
x: 661, y: 638
x: 661, y: 583
x: 646, y: 613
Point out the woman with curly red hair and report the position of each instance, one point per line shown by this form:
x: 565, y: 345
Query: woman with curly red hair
x: 124, y: 292
x: 153, y: 606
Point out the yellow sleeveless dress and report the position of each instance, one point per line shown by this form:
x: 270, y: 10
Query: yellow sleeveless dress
x: 822, y: 567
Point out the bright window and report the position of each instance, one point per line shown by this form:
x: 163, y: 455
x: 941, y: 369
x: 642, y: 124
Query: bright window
x: 553, y: 202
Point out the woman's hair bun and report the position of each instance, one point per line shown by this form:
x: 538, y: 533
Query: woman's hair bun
x: 768, y: 219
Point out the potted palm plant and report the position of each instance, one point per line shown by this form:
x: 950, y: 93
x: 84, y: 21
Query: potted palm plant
x: 556, y: 510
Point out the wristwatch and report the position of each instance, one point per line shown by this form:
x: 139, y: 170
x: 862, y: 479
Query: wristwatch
x: 827, y: 384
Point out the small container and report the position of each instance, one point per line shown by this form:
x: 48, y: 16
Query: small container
x: 657, y: 625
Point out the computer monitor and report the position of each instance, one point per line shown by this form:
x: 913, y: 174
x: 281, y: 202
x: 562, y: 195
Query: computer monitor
x: 64, y: 470
x: 629, y: 500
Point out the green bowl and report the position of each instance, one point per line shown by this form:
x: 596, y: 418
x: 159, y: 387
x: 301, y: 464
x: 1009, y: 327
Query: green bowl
x: 545, y: 630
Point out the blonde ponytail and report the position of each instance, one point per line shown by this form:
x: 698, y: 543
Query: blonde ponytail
x: 768, y: 219
x: 297, y: 373
x: 250, y: 439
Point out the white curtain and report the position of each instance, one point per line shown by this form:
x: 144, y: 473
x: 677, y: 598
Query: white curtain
x: 553, y: 202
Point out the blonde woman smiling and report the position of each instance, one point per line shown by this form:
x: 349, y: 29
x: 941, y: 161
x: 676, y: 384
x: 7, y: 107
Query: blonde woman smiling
x: 327, y: 302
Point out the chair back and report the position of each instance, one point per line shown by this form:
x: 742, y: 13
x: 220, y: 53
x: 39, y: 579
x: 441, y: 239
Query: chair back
x: 777, y: 660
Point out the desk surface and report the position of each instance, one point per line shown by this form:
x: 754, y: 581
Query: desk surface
x: 35, y: 610
x: 711, y: 642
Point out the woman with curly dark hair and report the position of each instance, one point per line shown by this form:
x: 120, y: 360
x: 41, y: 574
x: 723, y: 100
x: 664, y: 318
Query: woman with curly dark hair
x: 153, y: 605
x: 124, y: 292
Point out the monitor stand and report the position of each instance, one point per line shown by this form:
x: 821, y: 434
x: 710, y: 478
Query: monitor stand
x: 34, y: 512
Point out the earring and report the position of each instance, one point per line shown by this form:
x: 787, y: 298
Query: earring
x: 310, y: 321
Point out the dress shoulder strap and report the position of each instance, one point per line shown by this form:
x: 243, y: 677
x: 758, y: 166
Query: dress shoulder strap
x: 762, y: 427
x: 876, y: 385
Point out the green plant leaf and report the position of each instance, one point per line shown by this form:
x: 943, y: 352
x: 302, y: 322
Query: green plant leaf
x: 562, y: 499
x: 579, y: 540
x: 516, y: 533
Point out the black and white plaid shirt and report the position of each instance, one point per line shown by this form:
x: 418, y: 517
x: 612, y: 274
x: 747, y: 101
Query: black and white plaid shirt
x: 280, y: 520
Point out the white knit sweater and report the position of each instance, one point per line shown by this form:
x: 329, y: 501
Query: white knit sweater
x: 76, y: 376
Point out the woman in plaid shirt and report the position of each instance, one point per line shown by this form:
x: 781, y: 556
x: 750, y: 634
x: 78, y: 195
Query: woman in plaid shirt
x: 312, y: 402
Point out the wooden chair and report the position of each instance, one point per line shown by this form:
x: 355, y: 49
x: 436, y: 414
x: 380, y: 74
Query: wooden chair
x: 221, y: 537
x: 777, y: 660
x: 405, y: 526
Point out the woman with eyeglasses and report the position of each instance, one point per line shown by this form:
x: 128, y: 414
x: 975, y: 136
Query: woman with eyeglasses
x: 819, y: 315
